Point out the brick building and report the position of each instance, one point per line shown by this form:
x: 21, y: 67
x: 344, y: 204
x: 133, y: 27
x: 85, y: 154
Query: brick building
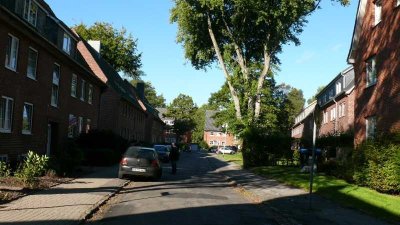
x: 47, y: 93
x: 120, y: 109
x: 302, y: 129
x: 336, y: 105
x: 375, y: 55
x: 217, y: 136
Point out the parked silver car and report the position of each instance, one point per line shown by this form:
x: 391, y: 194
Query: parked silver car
x: 140, y: 161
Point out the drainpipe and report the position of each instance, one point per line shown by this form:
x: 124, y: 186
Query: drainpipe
x: 336, y: 114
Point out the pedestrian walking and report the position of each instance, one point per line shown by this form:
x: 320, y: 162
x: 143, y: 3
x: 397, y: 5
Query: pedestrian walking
x: 174, y: 157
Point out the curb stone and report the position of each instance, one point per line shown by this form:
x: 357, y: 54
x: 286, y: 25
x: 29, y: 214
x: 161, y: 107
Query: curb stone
x: 86, y: 215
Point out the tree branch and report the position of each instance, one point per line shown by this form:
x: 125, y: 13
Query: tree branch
x: 260, y: 83
x: 225, y: 70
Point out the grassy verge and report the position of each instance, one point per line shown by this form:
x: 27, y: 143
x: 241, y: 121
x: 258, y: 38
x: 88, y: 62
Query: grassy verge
x: 235, y: 158
x: 372, y: 202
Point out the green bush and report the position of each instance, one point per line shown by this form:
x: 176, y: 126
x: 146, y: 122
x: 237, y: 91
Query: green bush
x: 377, y: 165
x: 203, y: 145
x: 5, y: 169
x: 65, y: 162
x: 33, y: 166
x: 101, y: 157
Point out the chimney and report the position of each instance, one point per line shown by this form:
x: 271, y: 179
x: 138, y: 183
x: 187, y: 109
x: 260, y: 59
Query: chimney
x: 140, y: 89
x: 96, y: 45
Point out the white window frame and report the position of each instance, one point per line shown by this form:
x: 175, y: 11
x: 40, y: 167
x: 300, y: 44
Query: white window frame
x: 8, y: 116
x: 28, y: 14
x: 368, y: 122
x: 211, y: 133
x: 88, y: 126
x: 11, y: 62
x: 30, y: 119
x: 67, y: 40
x: 377, y: 11
x: 83, y: 90
x: 32, y: 76
x: 338, y: 87
x: 71, y: 126
x: 371, y: 75
x: 90, y: 96
x: 80, y: 125
x: 74, y: 86
x: 398, y: 3
x: 55, y: 82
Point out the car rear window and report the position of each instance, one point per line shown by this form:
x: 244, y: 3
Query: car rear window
x: 160, y: 148
x: 135, y: 152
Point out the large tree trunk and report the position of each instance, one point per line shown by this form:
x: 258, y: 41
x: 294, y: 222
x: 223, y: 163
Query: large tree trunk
x: 234, y: 94
x: 260, y: 83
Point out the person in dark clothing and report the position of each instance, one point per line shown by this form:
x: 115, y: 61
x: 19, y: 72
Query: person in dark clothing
x: 174, y: 157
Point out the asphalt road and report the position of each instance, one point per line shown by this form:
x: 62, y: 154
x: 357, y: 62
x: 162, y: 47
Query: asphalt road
x: 195, y: 195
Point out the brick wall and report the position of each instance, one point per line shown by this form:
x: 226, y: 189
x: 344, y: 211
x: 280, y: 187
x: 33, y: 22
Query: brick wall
x: 218, y: 137
x: 382, y: 99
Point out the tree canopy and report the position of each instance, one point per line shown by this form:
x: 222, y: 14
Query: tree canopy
x: 244, y: 37
x: 117, y: 47
x: 182, y: 109
x: 314, y: 97
x: 156, y: 100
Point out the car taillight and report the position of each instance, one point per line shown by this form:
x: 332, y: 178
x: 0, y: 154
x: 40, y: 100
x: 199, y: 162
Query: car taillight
x: 124, y: 161
x: 155, y: 164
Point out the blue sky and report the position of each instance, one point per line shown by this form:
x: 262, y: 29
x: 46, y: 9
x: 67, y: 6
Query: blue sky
x: 321, y: 55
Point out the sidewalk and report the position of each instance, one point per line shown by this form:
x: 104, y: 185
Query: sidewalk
x: 63, y: 204
x: 292, y: 204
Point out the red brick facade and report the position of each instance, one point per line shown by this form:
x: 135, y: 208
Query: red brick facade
x: 219, y: 138
x: 17, y: 86
x: 381, y: 42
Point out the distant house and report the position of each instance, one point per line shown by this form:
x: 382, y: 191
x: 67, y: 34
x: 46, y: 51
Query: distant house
x: 217, y: 136
x: 375, y: 55
x: 47, y: 92
x: 302, y: 129
x: 169, y: 135
x: 121, y: 110
x: 336, y: 104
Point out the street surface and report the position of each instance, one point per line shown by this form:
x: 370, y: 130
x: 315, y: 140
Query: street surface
x: 196, y: 195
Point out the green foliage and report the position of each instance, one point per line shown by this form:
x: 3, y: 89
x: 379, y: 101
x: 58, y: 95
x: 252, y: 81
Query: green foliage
x: 151, y: 94
x: 33, y: 166
x: 377, y: 165
x: 199, y: 120
x: 345, y: 139
x: 5, y: 169
x: 65, y: 162
x: 117, y: 47
x: 182, y: 109
x: 203, y: 144
x: 101, y: 147
x: 314, y: 97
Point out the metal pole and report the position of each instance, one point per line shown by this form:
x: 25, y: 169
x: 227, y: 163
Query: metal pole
x: 313, y: 161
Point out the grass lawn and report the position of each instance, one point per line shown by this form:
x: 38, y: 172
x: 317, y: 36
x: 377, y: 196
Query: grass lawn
x: 370, y: 201
x: 236, y: 158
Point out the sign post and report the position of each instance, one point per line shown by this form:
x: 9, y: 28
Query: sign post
x: 313, y: 161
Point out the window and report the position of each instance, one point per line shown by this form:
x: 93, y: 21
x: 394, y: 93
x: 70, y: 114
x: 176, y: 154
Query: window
x: 342, y: 109
x: 67, y: 44
x: 90, y: 96
x: 6, y: 111
x: 325, y: 117
x: 80, y: 125
x: 378, y: 11
x: 30, y: 12
x: 56, y: 85
x: 397, y: 3
x: 333, y: 114
x: 338, y: 87
x: 88, y: 125
x: 371, y: 127
x: 72, y: 126
x: 32, y: 63
x: 4, y: 158
x: 83, y: 90
x: 371, y: 71
x: 211, y: 133
x: 74, y: 84
x: 27, y: 118
x: 12, y: 53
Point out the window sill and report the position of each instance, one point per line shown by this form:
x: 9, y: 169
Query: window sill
x: 5, y: 131
x: 10, y: 68
x: 55, y: 106
x: 376, y: 24
x: 26, y: 132
x: 32, y: 78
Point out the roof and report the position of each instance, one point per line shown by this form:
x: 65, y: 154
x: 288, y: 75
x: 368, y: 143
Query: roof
x: 357, y: 29
x: 162, y: 112
x: 305, y: 113
x: 106, y: 72
x: 210, y: 122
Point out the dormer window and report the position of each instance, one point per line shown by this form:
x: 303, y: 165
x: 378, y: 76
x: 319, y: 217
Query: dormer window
x: 67, y: 44
x: 378, y: 11
x: 30, y: 12
x: 338, y: 87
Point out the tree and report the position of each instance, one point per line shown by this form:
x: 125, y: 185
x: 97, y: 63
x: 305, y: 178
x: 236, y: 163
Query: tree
x: 117, y: 47
x: 199, y: 120
x: 244, y: 37
x: 182, y: 109
x: 314, y: 97
x: 151, y: 94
